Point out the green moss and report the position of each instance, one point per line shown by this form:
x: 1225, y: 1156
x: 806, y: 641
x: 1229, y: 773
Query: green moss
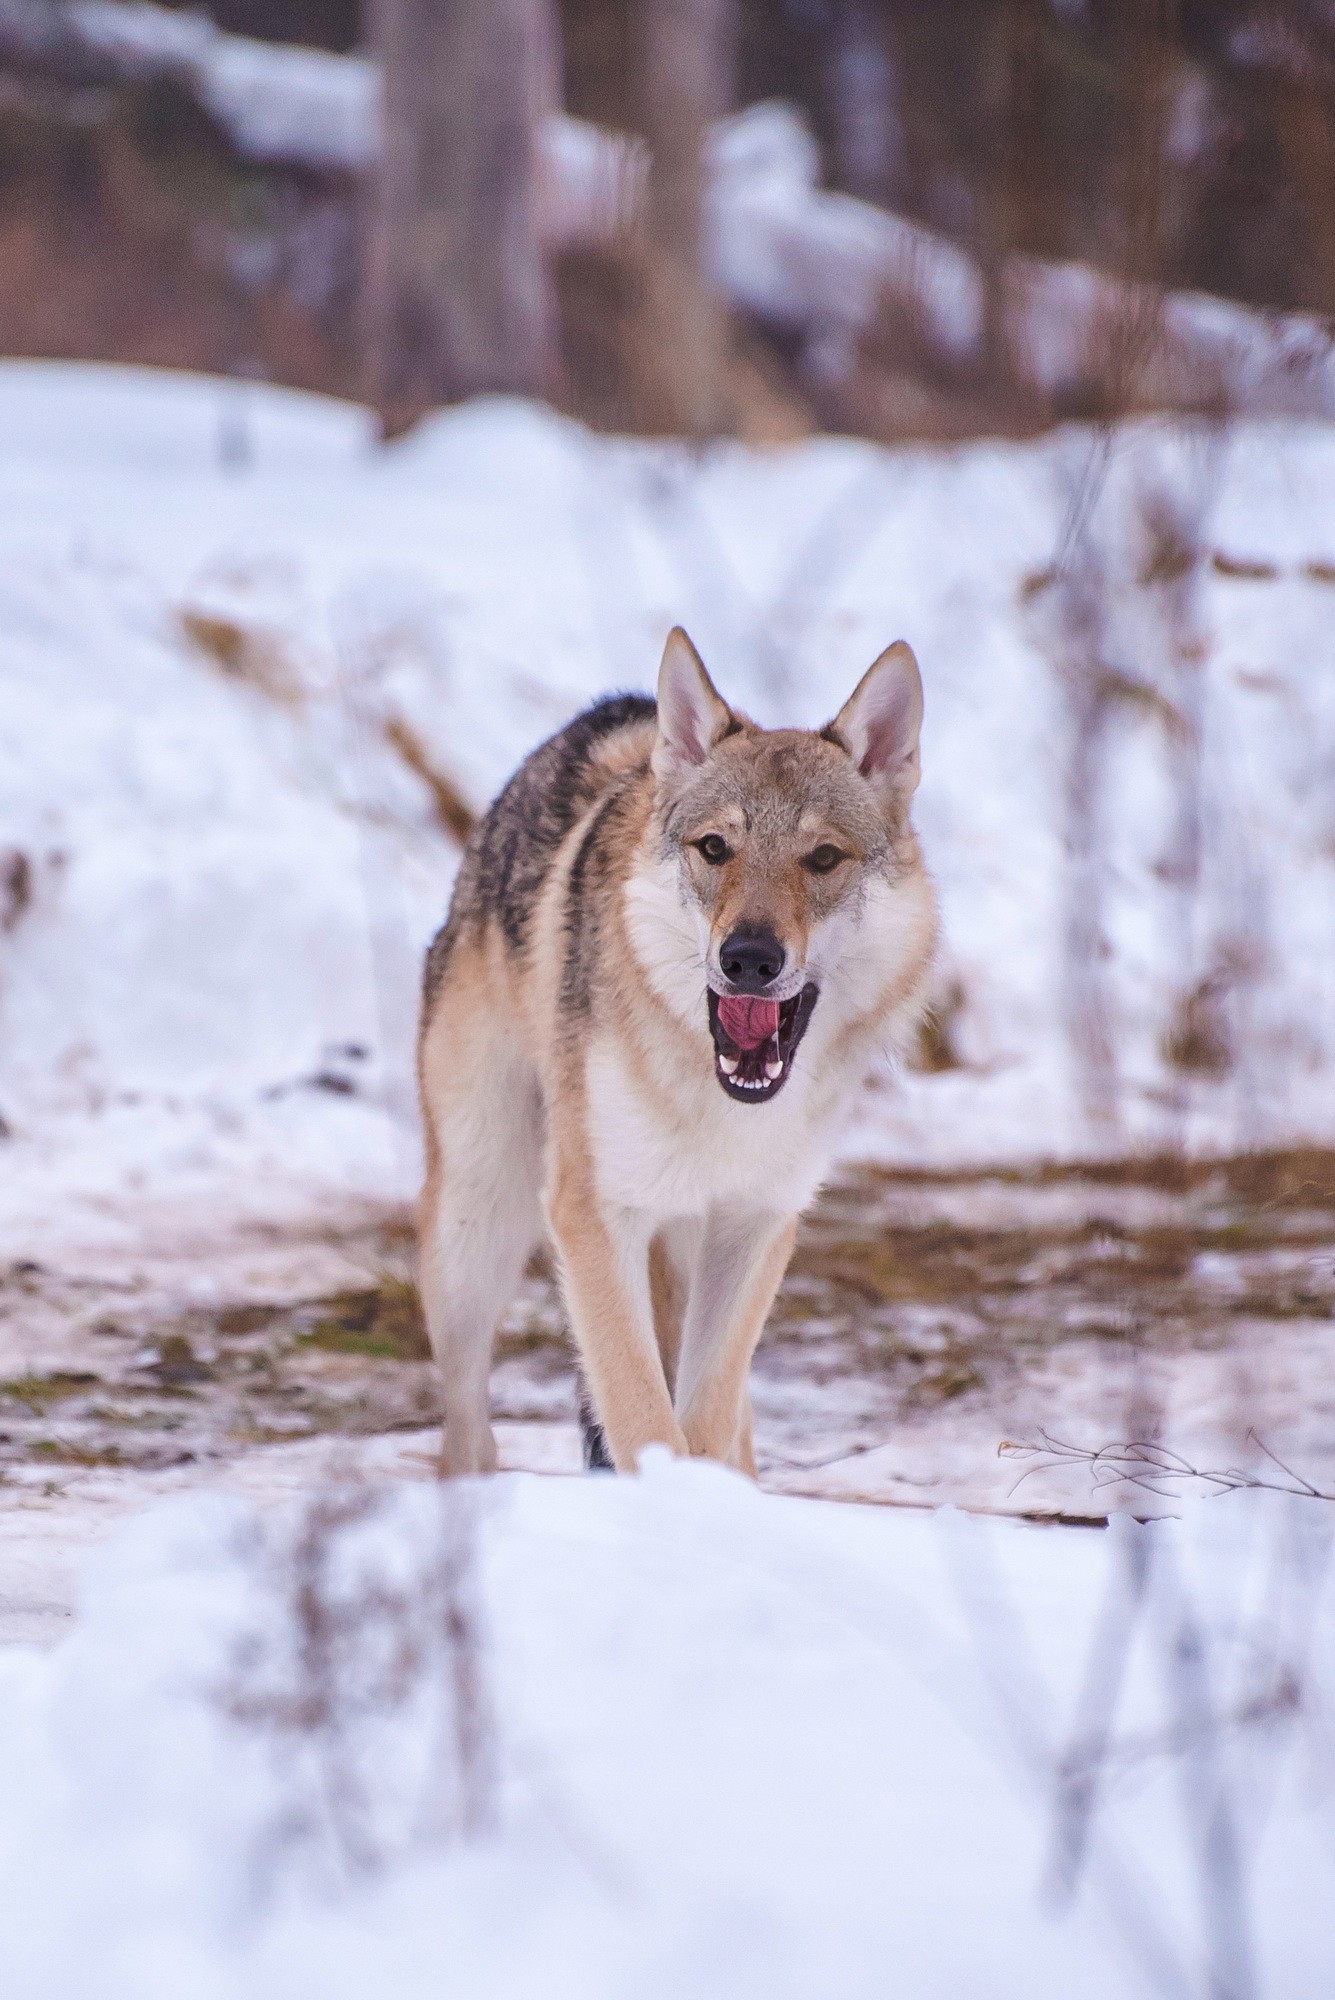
x: 382, y: 1321
x: 948, y: 1376
x: 57, y: 1452
x: 36, y: 1391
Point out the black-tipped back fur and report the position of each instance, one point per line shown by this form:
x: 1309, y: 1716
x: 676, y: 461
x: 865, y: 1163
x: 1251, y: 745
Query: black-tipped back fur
x: 513, y: 846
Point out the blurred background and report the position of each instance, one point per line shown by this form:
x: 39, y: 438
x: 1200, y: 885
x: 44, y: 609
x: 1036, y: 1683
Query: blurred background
x: 214, y: 188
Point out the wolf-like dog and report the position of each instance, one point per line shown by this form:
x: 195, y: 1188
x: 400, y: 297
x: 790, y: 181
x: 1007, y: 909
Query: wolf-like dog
x: 676, y: 945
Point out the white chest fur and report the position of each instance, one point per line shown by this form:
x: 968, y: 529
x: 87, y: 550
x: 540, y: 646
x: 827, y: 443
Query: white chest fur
x: 697, y: 1148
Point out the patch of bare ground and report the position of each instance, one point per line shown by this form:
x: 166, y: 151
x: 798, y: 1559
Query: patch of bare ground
x: 926, y: 1319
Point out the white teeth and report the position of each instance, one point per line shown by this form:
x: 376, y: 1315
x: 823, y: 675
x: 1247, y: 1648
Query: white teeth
x: 730, y: 1064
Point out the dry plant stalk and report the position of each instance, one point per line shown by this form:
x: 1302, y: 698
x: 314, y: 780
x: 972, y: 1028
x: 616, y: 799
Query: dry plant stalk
x: 242, y: 653
x: 368, y: 1688
x: 453, y: 812
x: 1152, y: 664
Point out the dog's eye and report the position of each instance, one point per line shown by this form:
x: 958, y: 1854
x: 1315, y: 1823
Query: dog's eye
x: 823, y: 860
x: 715, y: 849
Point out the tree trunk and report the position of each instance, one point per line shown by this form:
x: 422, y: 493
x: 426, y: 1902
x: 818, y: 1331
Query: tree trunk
x: 1017, y: 190
x: 459, y: 298
x: 685, y: 55
x: 863, y: 90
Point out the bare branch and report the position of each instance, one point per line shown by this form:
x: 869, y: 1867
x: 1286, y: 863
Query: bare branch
x: 1144, y: 1463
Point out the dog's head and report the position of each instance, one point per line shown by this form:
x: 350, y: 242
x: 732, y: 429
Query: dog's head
x: 788, y: 848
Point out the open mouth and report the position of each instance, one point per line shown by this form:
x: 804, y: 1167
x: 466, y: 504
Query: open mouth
x: 755, y: 1041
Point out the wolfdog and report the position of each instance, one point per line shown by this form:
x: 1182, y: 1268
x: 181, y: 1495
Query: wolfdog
x: 676, y: 945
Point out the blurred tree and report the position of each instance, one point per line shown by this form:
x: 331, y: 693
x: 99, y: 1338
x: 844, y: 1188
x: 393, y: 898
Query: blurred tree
x: 458, y: 297
x: 596, y: 61
x: 864, y: 92
x: 684, y: 51
x: 1291, y: 51
x: 1015, y: 191
x: 318, y: 24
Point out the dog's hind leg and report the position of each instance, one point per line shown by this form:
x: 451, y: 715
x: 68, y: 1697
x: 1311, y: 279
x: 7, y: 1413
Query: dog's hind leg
x: 481, y: 1213
x: 672, y: 1256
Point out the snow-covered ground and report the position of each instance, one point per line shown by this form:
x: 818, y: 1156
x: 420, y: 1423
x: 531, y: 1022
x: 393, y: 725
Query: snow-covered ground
x: 220, y: 874
x: 670, y: 1736
x: 323, y: 1726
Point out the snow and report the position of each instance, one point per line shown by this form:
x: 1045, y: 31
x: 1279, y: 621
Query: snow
x: 278, y: 102
x: 1061, y: 318
x: 232, y: 874
x: 798, y: 256
x: 721, y: 1743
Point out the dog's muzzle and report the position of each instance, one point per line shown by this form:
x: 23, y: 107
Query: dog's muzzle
x: 755, y: 1040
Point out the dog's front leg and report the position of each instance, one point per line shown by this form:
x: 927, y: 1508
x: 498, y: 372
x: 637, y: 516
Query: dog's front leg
x: 604, y: 1258
x: 741, y: 1261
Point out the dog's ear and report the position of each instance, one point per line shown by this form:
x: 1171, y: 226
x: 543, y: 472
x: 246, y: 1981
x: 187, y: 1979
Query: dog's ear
x: 692, y: 714
x: 879, y: 723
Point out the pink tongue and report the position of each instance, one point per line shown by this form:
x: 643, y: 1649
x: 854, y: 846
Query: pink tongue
x: 747, y: 1023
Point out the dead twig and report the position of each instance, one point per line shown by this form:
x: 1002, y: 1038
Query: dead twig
x: 1141, y: 1462
x: 456, y: 817
x: 363, y: 1679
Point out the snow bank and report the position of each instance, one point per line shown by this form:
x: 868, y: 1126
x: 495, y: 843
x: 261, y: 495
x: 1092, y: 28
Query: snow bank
x: 800, y: 257
x: 278, y: 102
x: 221, y: 873
x: 684, y: 1739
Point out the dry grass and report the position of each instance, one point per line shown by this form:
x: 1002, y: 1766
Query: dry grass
x: 1197, y: 1040
x: 453, y: 813
x: 1246, y: 568
x: 242, y: 653
x: 366, y: 1679
x: 15, y: 886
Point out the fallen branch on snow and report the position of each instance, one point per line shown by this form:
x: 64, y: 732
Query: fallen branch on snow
x: 1146, y: 1464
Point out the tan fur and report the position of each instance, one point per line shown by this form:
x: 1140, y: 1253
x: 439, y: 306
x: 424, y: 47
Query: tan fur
x: 566, y: 1062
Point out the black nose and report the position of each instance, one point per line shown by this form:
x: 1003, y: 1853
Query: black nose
x: 751, y: 960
